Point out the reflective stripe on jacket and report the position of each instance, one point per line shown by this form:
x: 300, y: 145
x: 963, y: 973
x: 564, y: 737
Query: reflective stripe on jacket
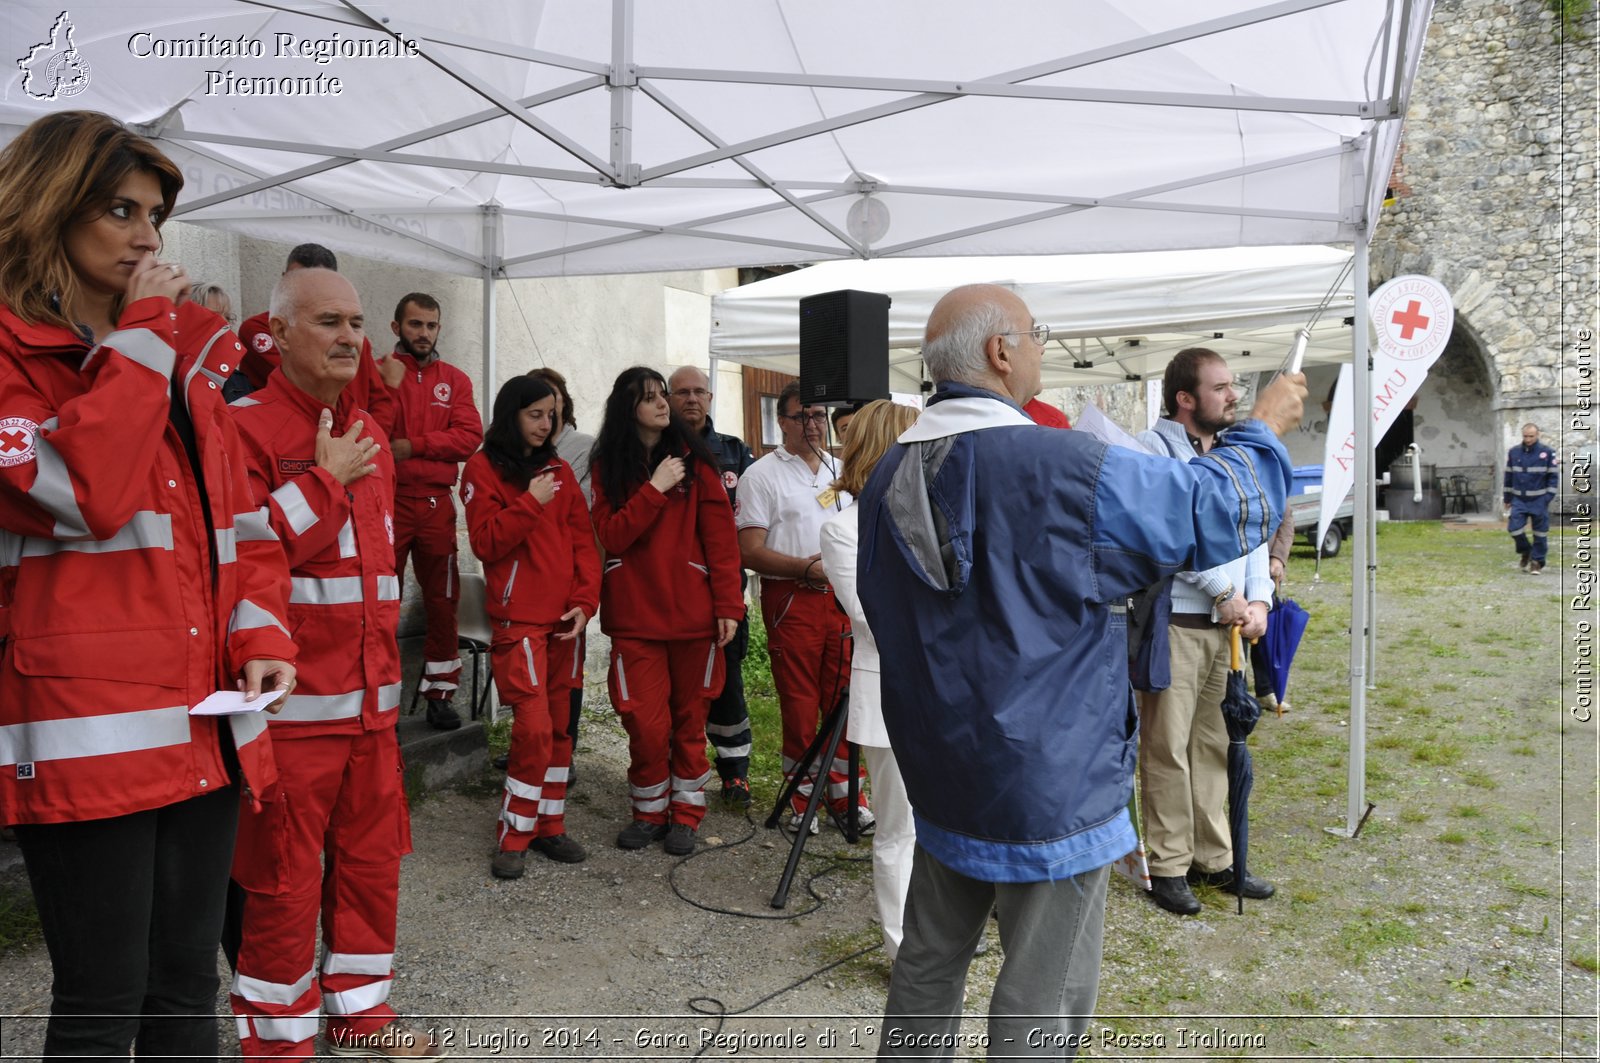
x: 121, y: 615
x: 344, y: 599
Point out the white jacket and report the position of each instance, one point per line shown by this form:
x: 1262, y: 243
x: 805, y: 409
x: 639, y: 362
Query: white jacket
x: 840, y: 538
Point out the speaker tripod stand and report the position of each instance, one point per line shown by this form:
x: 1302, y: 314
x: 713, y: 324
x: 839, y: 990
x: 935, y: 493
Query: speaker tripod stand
x: 827, y: 740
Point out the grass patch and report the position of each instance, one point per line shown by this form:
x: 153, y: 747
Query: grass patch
x: 1361, y: 939
x: 1453, y: 837
x: 1437, y: 753
x: 1586, y: 961
x: 1467, y: 812
x: 19, y: 919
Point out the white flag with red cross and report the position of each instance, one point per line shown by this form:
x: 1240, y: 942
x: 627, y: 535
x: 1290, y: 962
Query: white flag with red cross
x: 1412, y: 318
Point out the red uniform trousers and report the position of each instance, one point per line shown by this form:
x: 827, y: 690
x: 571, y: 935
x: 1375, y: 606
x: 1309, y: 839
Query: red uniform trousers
x: 425, y: 528
x: 810, y: 667
x: 663, y: 692
x: 330, y: 835
x: 536, y: 673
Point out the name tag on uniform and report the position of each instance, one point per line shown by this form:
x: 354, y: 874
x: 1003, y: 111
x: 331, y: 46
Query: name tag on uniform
x: 827, y: 498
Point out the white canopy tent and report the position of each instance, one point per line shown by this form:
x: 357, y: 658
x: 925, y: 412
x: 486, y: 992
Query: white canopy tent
x: 569, y: 136
x: 1112, y: 317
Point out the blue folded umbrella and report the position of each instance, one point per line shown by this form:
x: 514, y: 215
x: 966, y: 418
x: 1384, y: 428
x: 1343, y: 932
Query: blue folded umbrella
x: 1240, y: 711
x: 1285, y: 625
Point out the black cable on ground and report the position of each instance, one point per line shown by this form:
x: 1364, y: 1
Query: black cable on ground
x: 712, y: 1006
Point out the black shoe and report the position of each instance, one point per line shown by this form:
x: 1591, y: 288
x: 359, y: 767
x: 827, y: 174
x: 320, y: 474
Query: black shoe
x: 1256, y: 889
x: 736, y: 792
x: 640, y: 833
x: 443, y: 715
x: 680, y: 840
x: 501, y: 761
x: 1172, y: 893
x: 561, y: 848
x: 508, y: 863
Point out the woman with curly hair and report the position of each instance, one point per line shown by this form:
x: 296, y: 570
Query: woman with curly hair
x: 669, y: 600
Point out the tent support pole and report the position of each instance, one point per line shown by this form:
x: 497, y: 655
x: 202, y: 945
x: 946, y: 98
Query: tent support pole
x: 1355, y: 806
x: 492, y: 236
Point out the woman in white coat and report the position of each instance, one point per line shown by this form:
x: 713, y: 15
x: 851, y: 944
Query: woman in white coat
x: 872, y: 433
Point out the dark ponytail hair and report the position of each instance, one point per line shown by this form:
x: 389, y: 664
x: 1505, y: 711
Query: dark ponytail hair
x: 620, y: 453
x: 503, y: 443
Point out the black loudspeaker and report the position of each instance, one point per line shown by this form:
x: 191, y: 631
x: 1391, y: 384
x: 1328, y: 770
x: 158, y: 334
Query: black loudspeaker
x: 844, y: 347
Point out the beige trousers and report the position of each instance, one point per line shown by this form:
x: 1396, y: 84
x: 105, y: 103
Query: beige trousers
x: 1183, y: 758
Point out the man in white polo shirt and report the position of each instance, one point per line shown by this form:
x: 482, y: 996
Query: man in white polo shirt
x: 784, y: 499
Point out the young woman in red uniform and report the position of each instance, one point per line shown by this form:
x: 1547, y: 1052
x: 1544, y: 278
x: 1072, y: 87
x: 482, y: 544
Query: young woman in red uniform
x: 528, y: 524
x: 669, y: 600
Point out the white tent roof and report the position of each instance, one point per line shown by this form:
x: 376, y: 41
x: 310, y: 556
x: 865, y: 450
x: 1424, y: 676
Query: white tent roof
x: 574, y: 136
x: 1112, y: 317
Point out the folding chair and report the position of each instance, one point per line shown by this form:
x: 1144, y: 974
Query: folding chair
x: 473, y: 635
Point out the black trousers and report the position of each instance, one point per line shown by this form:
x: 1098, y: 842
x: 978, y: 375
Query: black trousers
x: 131, y: 908
x: 728, y: 723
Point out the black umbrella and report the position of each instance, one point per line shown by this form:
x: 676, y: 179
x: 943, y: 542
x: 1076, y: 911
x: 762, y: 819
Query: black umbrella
x: 1240, y: 711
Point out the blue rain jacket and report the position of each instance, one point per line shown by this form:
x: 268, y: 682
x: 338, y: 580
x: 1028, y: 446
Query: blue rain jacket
x: 992, y: 551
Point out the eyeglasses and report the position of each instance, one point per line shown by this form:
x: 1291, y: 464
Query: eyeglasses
x: 692, y: 393
x: 814, y: 418
x: 1040, y: 334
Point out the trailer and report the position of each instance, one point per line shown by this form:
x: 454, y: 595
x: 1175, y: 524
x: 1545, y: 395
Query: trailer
x: 1307, y: 510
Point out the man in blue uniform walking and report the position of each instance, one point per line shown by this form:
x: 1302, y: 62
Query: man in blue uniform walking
x: 993, y: 551
x: 1532, y: 472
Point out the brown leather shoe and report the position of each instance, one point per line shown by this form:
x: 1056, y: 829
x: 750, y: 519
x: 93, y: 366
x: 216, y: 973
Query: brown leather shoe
x: 394, y: 1041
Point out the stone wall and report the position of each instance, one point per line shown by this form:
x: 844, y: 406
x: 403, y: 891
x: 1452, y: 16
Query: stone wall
x: 1496, y: 187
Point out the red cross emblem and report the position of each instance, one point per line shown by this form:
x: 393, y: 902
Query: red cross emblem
x: 1410, y: 319
x: 17, y: 441
x: 441, y: 391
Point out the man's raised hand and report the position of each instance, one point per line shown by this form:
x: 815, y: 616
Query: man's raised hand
x: 348, y: 457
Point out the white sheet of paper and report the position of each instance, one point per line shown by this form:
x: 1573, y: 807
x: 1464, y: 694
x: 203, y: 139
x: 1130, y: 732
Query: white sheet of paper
x: 231, y: 703
x: 1094, y: 422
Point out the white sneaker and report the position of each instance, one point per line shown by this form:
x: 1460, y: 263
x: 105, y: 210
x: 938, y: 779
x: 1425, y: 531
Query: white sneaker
x: 866, y: 822
x: 791, y: 822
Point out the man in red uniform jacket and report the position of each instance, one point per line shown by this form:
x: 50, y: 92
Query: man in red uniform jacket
x: 261, y: 354
x: 436, y: 429
x: 331, y: 834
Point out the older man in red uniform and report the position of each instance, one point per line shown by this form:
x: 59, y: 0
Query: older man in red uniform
x: 261, y: 355
x: 331, y: 834
x: 437, y: 428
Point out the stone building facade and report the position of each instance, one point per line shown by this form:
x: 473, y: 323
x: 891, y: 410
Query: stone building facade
x: 1496, y: 196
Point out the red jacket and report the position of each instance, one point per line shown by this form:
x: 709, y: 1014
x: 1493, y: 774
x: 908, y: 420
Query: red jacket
x: 1042, y: 413
x: 672, y: 560
x: 538, y: 560
x: 368, y: 390
x: 344, y: 599
x: 437, y: 415
x: 118, y: 624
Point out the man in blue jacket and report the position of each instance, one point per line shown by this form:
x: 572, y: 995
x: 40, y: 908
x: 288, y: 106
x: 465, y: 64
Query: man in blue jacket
x: 1533, y: 472
x: 992, y: 553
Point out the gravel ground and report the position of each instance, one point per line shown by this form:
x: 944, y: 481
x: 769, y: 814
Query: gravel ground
x: 1461, y: 924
